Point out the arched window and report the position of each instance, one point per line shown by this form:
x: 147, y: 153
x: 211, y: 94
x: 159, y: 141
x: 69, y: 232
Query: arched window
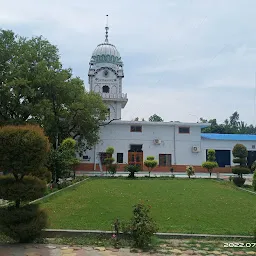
x: 105, y: 89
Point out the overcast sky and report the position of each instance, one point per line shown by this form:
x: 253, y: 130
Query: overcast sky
x: 183, y: 59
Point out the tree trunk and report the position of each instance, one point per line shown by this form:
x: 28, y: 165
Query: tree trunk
x: 210, y: 174
x: 149, y: 174
x: 132, y: 174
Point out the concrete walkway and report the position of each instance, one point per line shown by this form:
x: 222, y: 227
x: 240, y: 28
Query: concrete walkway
x: 176, y: 247
x: 224, y: 176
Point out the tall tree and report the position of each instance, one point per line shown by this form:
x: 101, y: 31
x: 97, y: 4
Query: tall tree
x: 230, y: 126
x: 155, y: 118
x: 35, y: 88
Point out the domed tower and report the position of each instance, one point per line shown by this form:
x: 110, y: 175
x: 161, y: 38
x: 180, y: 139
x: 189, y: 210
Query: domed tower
x: 105, y: 77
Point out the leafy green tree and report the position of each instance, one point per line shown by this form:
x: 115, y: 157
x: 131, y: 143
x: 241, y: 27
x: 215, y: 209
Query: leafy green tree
x: 240, y: 154
x: 231, y: 125
x: 36, y: 89
x: 150, y: 163
x: 210, y: 164
x: 23, y: 150
x: 62, y: 160
x: 155, y: 118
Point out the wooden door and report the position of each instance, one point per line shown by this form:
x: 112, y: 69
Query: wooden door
x: 135, y: 158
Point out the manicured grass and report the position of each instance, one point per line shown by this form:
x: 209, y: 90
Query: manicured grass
x: 178, y: 205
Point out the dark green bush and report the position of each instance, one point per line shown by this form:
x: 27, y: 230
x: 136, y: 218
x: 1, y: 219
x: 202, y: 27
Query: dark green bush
x: 23, y: 224
x: 240, y: 170
x: 64, y: 184
x: 23, y: 149
x: 141, y: 227
x: 254, y: 181
x: 253, y: 167
x: 112, y: 169
x: 27, y: 189
x: 241, y: 161
x: 43, y: 174
x: 239, y: 181
x: 132, y: 169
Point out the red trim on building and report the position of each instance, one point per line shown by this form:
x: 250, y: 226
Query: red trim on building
x: 88, y: 167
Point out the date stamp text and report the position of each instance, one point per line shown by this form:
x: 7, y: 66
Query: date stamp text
x: 243, y: 245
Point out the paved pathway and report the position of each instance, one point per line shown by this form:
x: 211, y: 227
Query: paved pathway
x: 176, y: 247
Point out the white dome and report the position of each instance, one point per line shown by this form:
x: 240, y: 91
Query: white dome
x: 106, y: 53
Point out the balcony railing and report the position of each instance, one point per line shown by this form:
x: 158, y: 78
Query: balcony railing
x: 113, y: 95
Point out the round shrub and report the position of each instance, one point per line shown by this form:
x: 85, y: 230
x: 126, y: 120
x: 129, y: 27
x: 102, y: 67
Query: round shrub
x: 254, y: 181
x: 239, y: 181
x: 150, y: 163
x: 240, y: 154
x: 110, y: 150
x: 23, y: 224
x: 241, y: 161
x: 240, y: 170
x: 23, y: 149
x: 240, y: 151
x: 27, y: 189
x: 132, y: 169
x: 112, y: 169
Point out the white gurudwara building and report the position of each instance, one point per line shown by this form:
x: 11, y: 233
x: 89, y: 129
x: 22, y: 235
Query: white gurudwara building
x: 174, y: 144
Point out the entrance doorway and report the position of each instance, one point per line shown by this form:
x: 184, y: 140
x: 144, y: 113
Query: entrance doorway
x: 135, y: 155
x: 223, y: 157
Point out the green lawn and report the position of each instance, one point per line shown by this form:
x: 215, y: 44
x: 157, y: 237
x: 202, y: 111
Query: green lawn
x: 178, y: 205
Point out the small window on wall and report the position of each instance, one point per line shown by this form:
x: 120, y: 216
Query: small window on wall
x: 120, y: 158
x: 184, y: 130
x: 165, y: 159
x: 136, y: 128
x: 105, y: 89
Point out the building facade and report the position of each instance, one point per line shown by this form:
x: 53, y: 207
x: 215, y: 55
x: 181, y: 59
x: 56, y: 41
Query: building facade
x: 171, y: 143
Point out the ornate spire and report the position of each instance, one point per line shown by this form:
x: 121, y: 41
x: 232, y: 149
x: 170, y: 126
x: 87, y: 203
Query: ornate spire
x: 106, y: 28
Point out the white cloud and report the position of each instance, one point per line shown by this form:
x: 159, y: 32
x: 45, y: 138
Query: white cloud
x: 182, y: 58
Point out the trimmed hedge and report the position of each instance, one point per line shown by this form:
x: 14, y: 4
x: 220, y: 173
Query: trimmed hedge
x: 239, y: 181
x: 240, y: 170
x: 23, y: 224
x: 27, y: 189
